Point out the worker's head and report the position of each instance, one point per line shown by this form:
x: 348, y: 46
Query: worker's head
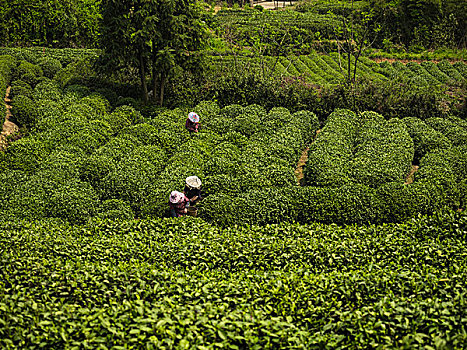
x: 175, y: 197
x: 193, y: 182
x: 193, y: 117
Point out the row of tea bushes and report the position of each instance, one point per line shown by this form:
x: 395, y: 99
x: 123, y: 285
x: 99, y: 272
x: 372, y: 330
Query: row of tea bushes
x: 364, y: 149
x: 440, y: 181
x: 38, y: 54
x: 331, y: 153
x: 345, y: 204
x: 383, y: 151
x: 425, y: 138
x: 184, y: 283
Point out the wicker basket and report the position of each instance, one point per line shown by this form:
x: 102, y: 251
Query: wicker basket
x: 192, y: 211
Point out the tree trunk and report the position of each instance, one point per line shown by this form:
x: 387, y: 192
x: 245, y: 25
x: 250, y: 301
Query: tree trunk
x: 154, y: 74
x: 142, y: 74
x: 163, y: 81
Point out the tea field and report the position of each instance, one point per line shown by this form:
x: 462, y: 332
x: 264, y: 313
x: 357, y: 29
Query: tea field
x: 353, y: 257
x: 186, y: 284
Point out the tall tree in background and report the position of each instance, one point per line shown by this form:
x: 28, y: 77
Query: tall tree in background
x: 153, y: 36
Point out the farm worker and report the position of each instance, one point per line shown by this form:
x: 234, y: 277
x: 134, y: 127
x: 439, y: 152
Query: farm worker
x: 193, y: 189
x: 192, y: 123
x: 178, y: 203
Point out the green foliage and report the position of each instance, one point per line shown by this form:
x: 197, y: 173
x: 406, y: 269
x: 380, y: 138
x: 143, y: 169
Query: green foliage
x: 19, y: 87
x: 50, y: 66
x: 26, y: 154
x: 24, y: 110
x: 425, y: 138
x: 150, y: 282
x: 155, y: 38
x: 59, y: 24
x: 115, y: 209
x: 455, y: 132
x: 28, y: 72
x: 74, y: 201
x: 330, y: 155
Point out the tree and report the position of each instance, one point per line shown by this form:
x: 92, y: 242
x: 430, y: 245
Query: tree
x: 154, y: 37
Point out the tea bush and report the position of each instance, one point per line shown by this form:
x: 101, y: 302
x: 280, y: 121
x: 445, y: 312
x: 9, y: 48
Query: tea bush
x: 19, y: 87
x: 28, y: 72
x: 49, y: 66
x: 269, y: 287
x: 456, y: 133
x: 425, y: 138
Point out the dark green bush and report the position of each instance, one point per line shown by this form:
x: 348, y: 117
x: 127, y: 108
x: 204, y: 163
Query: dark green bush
x: 47, y: 90
x: 24, y: 110
x: 330, y: 155
x: 50, y: 66
x: 26, y: 154
x: 456, y: 133
x: 115, y: 209
x: 74, y: 201
x: 28, y: 72
x: 109, y: 95
x: 79, y: 91
x: 383, y: 151
x: 425, y: 138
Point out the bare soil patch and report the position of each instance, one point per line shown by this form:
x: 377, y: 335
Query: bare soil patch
x: 301, y: 163
x: 410, y: 177
x: 9, y: 128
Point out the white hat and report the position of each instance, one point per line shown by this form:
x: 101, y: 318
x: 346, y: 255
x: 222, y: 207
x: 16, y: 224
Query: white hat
x: 193, y: 182
x: 175, y: 197
x: 193, y: 117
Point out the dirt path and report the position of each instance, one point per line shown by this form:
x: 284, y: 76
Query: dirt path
x: 301, y: 163
x: 9, y: 127
x: 410, y: 177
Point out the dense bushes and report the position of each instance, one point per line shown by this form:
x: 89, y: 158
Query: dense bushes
x: 425, y: 138
x: 364, y: 149
x: 270, y: 287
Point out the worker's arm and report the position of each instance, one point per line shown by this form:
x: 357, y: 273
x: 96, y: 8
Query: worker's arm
x: 194, y: 198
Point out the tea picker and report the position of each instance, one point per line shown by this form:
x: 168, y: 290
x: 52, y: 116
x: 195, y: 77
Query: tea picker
x: 178, y: 203
x: 192, y: 123
x: 193, y: 189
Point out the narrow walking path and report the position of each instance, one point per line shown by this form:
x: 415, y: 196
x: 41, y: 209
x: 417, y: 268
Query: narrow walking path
x: 301, y: 163
x: 410, y: 177
x: 9, y: 127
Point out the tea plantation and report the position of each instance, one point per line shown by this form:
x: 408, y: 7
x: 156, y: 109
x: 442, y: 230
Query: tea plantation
x: 184, y: 283
x: 354, y: 257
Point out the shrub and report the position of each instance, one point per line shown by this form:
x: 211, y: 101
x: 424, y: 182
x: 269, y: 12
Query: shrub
x: 95, y: 168
x: 425, y: 138
x: 115, y: 209
x: 47, y: 90
x: 79, y: 91
x: 452, y: 130
x: 74, y: 201
x: 126, y: 101
x: 26, y: 154
x: 28, y: 72
x: 108, y: 94
x: 330, y: 155
x: 19, y: 87
x: 24, y: 110
x: 49, y: 66
x: 383, y: 151
x: 97, y: 105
